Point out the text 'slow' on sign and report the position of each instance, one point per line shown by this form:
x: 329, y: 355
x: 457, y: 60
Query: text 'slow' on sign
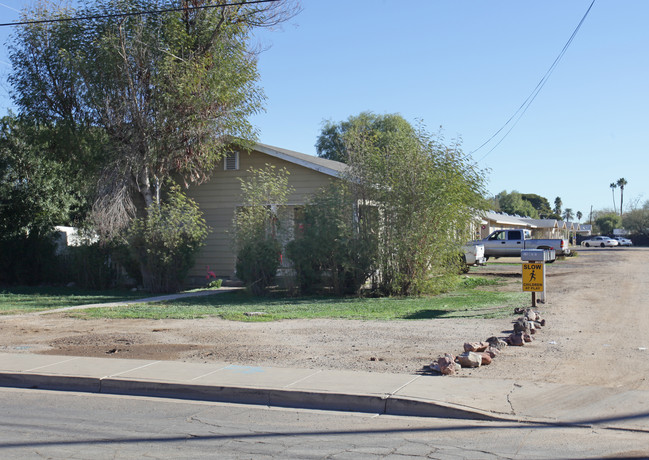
x: 533, y: 277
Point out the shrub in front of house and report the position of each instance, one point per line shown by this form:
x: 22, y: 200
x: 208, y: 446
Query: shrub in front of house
x: 330, y: 252
x: 258, y: 228
x: 100, y: 265
x: 89, y: 266
x: 166, y: 241
x: 257, y: 264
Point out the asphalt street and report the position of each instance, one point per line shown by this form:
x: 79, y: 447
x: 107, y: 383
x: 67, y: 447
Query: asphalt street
x: 40, y: 424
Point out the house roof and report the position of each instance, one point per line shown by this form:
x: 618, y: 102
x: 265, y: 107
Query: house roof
x: 543, y: 223
x: 329, y: 167
x: 502, y: 218
x: 575, y: 225
x: 506, y: 219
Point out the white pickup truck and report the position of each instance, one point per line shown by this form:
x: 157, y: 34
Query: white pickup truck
x: 510, y: 243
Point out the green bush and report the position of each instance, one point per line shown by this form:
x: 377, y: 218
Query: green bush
x: 28, y: 260
x: 89, y: 266
x: 309, y: 269
x: 257, y: 264
x: 100, y: 266
x: 330, y: 253
x: 122, y: 256
x: 216, y: 284
x: 258, y: 228
x: 166, y: 241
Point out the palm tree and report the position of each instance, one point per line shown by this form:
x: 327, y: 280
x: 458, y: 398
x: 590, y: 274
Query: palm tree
x: 621, y: 183
x: 579, y: 215
x: 613, y: 187
x: 568, y: 215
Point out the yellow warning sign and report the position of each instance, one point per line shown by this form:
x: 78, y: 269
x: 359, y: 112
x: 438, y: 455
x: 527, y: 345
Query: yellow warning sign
x: 533, y: 277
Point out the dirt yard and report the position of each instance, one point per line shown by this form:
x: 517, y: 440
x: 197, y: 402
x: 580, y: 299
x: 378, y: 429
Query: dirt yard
x: 597, y: 333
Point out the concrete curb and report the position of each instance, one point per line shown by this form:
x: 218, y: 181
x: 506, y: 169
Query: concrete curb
x: 299, y: 399
x: 50, y: 382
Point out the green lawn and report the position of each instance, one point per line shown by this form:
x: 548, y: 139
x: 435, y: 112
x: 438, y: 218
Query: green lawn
x: 471, y: 299
x: 28, y: 299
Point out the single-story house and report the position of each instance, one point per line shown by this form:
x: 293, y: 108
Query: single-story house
x: 547, y: 228
x: 491, y: 221
x: 585, y: 230
x: 577, y: 231
x: 219, y: 197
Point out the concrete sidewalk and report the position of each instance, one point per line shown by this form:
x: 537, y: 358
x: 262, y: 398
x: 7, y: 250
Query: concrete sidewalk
x: 395, y: 394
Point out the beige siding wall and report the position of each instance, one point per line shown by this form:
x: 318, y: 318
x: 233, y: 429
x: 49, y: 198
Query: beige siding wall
x: 219, y: 197
x: 547, y: 233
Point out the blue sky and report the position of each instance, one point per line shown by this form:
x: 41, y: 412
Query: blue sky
x: 467, y: 66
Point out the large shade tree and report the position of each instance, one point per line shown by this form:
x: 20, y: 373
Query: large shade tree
x: 38, y: 190
x: 608, y: 222
x: 540, y: 203
x: 331, y: 142
x: 171, y: 90
x: 513, y: 203
x: 637, y: 220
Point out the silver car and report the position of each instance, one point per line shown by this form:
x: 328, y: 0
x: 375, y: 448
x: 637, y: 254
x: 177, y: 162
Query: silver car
x: 623, y: 241
x: 600, y: 241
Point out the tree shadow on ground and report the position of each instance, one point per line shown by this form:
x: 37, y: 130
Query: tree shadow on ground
x: 427, y: 314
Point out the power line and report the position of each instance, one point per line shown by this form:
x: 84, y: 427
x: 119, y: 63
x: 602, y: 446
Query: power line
x: 526, y: 104
x: 135, y: 13
x: 10, y: 7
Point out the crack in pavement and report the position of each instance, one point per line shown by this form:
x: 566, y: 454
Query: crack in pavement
x: 509, y: 394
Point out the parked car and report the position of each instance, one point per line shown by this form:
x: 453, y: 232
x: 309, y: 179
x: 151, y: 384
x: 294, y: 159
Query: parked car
x: 600, y: 241
x: 623, y: 241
